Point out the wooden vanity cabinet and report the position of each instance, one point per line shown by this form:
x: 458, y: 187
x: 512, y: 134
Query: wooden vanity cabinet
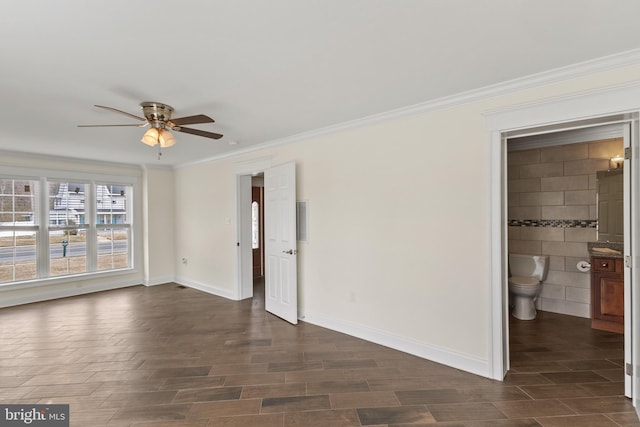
x: 607, y: 294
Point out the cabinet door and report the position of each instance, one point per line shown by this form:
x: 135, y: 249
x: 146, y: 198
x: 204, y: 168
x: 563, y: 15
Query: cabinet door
x: 611, y: 297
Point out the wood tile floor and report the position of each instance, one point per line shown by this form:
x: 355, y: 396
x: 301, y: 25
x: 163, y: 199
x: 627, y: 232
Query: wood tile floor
x: 172, y: 356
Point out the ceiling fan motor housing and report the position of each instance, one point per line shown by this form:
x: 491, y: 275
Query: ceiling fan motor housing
x: 156, y: 113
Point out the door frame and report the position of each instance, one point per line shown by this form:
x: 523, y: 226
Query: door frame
x: 619, y: 104
x: 242, y: 224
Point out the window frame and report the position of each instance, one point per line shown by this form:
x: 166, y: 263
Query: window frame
x: 42, y: 226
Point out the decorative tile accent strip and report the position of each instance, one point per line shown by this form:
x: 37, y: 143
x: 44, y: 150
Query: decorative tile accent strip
x: 557, y: 223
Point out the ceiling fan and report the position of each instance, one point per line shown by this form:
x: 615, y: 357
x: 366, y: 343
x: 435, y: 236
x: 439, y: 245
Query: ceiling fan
x: 158, y: 117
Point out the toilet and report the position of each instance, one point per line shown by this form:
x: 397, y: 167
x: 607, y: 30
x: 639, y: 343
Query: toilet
x: 527, y: 272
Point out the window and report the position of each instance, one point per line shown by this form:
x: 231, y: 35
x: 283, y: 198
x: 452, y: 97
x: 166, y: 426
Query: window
x: 113, y: 241
x: 71, y: 235
x: 18, y: 229
x: 67, y: 234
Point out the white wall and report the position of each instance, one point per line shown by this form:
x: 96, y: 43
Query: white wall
x: 159, y: 231
x: 399, y: 247
x: 204, y: 234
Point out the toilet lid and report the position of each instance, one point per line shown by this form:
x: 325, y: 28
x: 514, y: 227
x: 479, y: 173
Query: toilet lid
x: 523, y: 280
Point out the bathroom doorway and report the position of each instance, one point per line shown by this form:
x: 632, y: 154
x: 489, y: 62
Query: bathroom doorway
x: 617, y: 104
x: 555, y: 208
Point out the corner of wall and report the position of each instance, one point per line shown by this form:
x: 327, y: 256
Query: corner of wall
x: 436, y: 354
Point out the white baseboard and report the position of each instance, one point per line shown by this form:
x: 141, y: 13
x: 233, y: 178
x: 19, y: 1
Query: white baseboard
x: 46, y: 294
x: 204, y: 287
x: 159, y: 281
x: 444, y: 356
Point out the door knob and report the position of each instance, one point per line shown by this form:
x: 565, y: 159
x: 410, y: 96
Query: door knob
x: 290, y: 252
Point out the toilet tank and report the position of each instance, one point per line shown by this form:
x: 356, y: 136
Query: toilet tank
x: 529, y: 265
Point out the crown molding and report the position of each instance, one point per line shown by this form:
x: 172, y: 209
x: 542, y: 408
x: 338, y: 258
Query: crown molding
x: 606, y: 63
x: 150, y: 166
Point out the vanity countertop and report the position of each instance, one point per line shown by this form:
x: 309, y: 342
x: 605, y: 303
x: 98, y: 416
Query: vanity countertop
x: 606, y: 249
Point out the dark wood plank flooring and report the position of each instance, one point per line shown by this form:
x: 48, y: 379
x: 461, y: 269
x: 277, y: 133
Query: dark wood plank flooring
x: 174, y: 356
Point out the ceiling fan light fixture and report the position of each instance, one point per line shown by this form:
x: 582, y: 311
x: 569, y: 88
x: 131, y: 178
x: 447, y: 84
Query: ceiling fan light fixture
x: 155, y: 136
x: 150, y: 137
x: 165, y: 138
x: 158, y: 117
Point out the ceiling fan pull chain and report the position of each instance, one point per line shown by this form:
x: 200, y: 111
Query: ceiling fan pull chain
x: 159, y: 151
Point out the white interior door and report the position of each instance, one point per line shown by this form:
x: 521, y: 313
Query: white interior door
x: 281, y: 283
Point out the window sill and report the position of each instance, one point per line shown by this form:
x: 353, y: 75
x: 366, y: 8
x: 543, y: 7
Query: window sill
x: 49, y: 281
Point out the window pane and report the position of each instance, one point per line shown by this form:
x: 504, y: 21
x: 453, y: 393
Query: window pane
x: 24, y: 209
x: 6, y: 186
x: 6, y: 209
x: 111, y: 204
x: 66, y: 203
x: 67, y: 252
x: 17, y: 202
x: 17, y: 255
x: 113, y: 248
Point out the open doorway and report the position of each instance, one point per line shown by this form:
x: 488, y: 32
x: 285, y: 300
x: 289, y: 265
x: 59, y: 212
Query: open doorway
x: 577, y: 172
x: 280, y: 245
x: 257, y: 235
x: 560, y: 209
x: 619, y: 104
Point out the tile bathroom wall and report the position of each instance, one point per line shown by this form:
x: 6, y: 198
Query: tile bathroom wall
x: 552, y: 211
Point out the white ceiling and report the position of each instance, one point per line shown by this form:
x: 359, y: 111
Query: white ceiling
x: 266, y: 70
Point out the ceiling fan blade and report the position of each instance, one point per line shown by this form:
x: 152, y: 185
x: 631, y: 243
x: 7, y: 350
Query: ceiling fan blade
x: 122, y: 112
x: 198, y: 132
x: 192, y: 120
x: 100, y: 126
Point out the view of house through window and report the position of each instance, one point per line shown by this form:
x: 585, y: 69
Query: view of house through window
x: 68, y: 235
